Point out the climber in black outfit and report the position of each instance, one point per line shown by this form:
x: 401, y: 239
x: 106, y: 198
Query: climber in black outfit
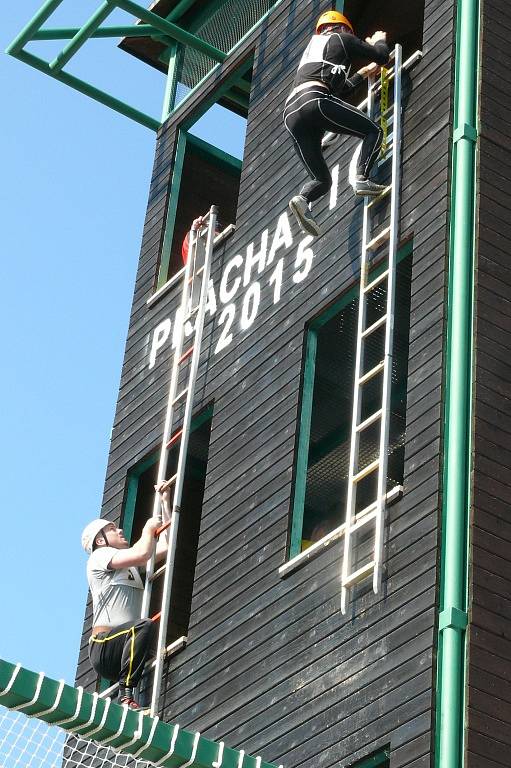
x: 313, y: 107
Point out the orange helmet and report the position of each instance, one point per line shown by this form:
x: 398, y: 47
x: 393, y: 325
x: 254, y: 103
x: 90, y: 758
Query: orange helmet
x: 333, y: 17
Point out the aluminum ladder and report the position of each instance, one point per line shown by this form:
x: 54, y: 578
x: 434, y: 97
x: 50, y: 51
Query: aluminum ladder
x: 193, y: 306
x: 373, y: 242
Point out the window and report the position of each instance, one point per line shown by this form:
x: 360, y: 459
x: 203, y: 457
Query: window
x: 322, y: 456
x: 138, y: 507
x: 404, y: 28
x: 203, y: 175
x: 380, y: 759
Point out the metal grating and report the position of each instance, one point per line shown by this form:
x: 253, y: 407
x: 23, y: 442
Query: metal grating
x: 329, y: 446
x: 224, y: 28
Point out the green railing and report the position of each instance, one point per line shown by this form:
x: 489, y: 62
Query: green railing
x: 163, y: 30
x: 87, y: 716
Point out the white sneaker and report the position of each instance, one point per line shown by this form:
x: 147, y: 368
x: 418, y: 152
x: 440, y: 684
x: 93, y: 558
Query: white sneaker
x: 367, y: 188
x: 306, y: 222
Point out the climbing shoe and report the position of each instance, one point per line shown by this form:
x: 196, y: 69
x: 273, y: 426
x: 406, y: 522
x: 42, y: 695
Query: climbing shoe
x: 367, y: 188
x: 304, y: 217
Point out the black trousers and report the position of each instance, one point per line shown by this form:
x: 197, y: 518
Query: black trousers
x: 308, y: 115
x: 120, y: 653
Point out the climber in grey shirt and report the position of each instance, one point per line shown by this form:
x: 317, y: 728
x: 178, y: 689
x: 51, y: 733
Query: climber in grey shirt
x: 120, y: 640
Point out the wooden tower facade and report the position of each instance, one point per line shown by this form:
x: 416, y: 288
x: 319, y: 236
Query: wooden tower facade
x: 261, y: 656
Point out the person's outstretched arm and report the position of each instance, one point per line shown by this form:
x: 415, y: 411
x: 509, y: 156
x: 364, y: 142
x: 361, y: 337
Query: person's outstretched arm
x: 139, y: 552
x: 166, y: 513
x: 374, y: 48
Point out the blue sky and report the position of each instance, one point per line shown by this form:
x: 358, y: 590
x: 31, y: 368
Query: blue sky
x: 75, y: 179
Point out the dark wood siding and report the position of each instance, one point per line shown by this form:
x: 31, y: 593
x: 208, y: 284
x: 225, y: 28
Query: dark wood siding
x: 489, y: 671
x: 272, y: 666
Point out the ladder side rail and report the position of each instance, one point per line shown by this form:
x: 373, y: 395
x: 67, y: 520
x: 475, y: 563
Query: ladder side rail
x: 167, y: 429
x: 389, y: 330
x: 355, y: 436
x: 183, y: 448
x: 194, y: 365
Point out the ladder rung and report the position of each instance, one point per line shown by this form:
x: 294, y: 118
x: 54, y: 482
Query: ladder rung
x: 365, y: 516
x: 175, y: 437
x: 186, y: 354
x: 377, y: 280
x: 389, y: 149
x: 370, y: 420
x: 158, y: 572
x: 379, y: 197
x: 156, y: 616
x: 366, y: 471
x: 358, y: 575
x: 372, y: 373
x: 180, y: 396
x: 379, y: 239
x: 168, y: 483
x: 158, y: 532
x: 197, y: 272
x: 374, y: 326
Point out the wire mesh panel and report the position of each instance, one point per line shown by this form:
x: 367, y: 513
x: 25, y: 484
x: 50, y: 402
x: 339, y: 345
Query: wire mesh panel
x: 223, y: 28
x: 26, y: 742
x: 329, y: 447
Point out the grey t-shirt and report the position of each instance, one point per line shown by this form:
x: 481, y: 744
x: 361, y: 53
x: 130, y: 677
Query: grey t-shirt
x: 116, y: 593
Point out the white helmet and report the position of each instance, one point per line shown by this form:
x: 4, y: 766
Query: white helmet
x: 90, y: 532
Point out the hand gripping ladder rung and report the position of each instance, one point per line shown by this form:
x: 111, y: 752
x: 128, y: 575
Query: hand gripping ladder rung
x: 378, y: 465
x: 193, y: 301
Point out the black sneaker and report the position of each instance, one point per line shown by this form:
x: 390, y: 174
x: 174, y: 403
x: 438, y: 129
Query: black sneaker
x: 304, y: 217
x: 367, y: 188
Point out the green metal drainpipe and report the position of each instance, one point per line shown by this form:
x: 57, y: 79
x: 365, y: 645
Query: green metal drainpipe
x: 451, y: 676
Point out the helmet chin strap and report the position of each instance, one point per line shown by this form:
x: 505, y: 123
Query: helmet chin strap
x: 103, y: 534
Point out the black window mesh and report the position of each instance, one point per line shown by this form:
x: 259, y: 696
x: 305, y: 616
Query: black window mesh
x: 329, y: 445
x: 223, y: 29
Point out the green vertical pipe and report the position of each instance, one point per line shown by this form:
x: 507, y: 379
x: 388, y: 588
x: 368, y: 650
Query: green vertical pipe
x: 81, y: 37
x: 171, y: 83
x: 458, y: 401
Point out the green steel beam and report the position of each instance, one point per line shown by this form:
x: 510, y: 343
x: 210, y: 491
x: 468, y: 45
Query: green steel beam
x: 81, y: 37
x: 451, y: 673
x: 89, y: 90
x: 156, y: 27
x: 126, y: 731
x: 126, y: 30
x: 239, y: 99
x: 171, y: 81
x: 170, y: 29
x: 33, y: 25
x: 210, y: 151
x: 180, y: 9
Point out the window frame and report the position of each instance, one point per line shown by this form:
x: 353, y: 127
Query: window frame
x: 133, y: 475
x: 378, y: 759
x: 185, y: 139
x: 303, y: 439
